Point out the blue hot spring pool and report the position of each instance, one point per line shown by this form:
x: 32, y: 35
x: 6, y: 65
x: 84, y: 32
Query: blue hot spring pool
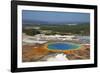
x: 62, y: 46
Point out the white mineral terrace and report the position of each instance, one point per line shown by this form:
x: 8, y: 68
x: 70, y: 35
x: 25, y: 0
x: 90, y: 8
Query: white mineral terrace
x: 41, y: 38
x: 59, y: 57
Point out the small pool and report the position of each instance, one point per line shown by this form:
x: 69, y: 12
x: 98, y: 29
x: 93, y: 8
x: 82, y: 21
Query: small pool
x: 62, y: 46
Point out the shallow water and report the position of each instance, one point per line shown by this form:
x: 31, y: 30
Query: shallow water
x: 84, y: 39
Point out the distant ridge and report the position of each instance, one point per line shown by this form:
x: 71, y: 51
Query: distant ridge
x: 51, y: 23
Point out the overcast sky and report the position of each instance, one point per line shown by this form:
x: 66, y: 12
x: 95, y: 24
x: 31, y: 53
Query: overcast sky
x: 54, y: 17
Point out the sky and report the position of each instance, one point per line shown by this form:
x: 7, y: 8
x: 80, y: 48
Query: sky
x: 51, y: 17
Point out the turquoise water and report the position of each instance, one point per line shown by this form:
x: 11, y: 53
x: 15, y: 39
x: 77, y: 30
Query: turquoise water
x: 62, y: 46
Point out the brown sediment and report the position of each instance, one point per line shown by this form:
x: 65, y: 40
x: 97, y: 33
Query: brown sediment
x: 80, y: 54
x: 62, y: 51
x: 33, y: 53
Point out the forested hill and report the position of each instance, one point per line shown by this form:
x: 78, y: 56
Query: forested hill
x: 80, y: 29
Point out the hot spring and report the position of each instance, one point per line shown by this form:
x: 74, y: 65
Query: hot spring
x: 62, y: 46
